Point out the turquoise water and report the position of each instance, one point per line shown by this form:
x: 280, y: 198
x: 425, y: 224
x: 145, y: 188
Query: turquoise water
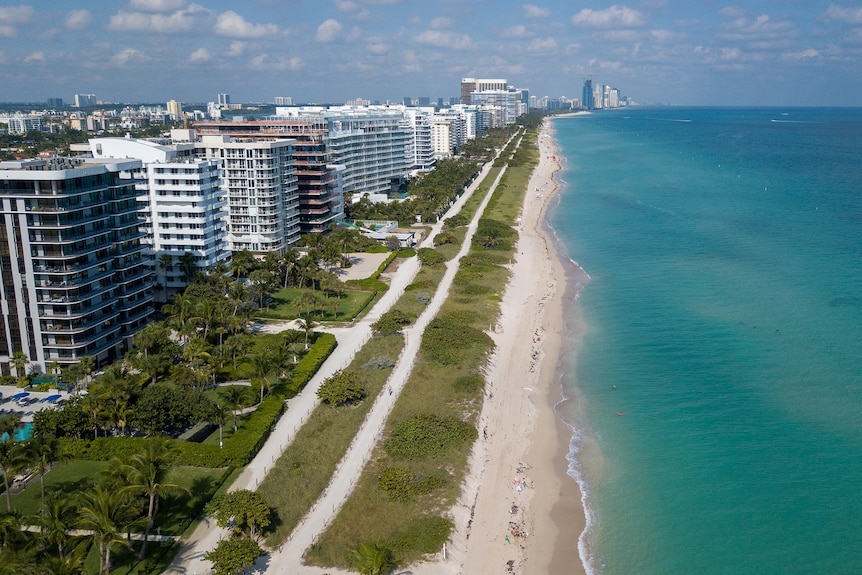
x: 23, y: 433
x: 721, y: 424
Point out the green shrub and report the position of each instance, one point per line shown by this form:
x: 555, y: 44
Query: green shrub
x: 401, y: 484
x: 449, y: 337
x: 423, y: 298
x: 370, y: 284
x: 430, y: 257
x: 426, y: 435
x: 405, y: 253
x: 469, y: 383
x: 390, y: 322
x: 324, y: 343
x: 422, y: 536
x: 379, y: 362
x: 342, y: 388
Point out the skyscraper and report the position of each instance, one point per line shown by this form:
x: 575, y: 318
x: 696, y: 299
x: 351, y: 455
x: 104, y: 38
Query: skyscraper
x: 587, y: 99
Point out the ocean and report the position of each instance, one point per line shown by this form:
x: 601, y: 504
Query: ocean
x: 717, y: 420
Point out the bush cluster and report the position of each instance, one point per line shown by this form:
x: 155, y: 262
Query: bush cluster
x: 379, y: 362
x: 401, y: 484
x: 324, y: 343
x: 430, y: 257
x: 449, y: 337
x: 390, y: 322
x: 427, y: 435
x: 343, y: 388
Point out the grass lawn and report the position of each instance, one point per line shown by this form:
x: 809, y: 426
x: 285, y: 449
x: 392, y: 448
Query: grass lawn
x: 68, y: 479
x: 287, y: 304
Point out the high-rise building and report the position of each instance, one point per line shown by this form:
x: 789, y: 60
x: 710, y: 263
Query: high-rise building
x: 587, y: 101
x: 223, y: 100
x: 175, y: 110
x: 55, y: 102
x: 183, y: 205
x: 85, y: 100
x: 283, y: 101
x: 260, y: 177
x: 317, y: 181
x: 72, y: 268
x: 470, y: 85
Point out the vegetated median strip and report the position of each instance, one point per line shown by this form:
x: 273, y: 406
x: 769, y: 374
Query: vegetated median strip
x: 363, y: 515
x: 292, y: 487
x: 362, y: 444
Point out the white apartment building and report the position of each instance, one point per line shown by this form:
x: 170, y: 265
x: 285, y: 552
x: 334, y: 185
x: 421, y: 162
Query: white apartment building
x: 419, y: 123
x: 442, y: 137
x: 21, y: 124
x: 260, y: 179
x: 73, y: 272
x: 183, y: 206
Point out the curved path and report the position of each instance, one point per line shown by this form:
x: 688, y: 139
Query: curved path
x: 190, y: 559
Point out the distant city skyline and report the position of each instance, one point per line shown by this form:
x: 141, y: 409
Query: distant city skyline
x: 752, y: 52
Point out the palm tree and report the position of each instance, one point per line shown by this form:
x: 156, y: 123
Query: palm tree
x: 188, y: 266
x: 107, y: 514
x: 55, y: 522
x: 262, y: 363
x: 147, y: 472
x: 373, y: 559
x: 235, y: 398
x: 12, y: 460
x: 218, y: 415
x: 54, y: 369
x: 19, y: 362
x: 241, y: 263
x: 9, y: 422
x: 306, y: 325
x: 87, y: 364
x: 43, y: 452
x: 10, y: 530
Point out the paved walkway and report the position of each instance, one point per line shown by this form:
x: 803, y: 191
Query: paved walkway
x: 190, y: 559
x: 288, y: 559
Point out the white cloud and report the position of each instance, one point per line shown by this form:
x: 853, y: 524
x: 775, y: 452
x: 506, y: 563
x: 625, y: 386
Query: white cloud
x: 440, y: 23
x: 540, y: 45
x: 533, y: 11
x: 609, y: 17
x: 233, y: 25
x: 13, y: 16
x: 848, y: 15
x: 35, y: 58
x: 808, y: 54
x: 760, y: 29
x: 663, y: 36
x: 378, y: 48
x: 200, y: 56
x: 263, y: 63
x: 519, y: 31
x: 618, y: 36
x: 347, y: 6
x: 128, y: 56
x: 174, y: 23
x: 78, y: 19
x: 328, y: 31
x: 444, y: 39
x: 236, y: 48
x: 157, y: 5
x: 354, y: 34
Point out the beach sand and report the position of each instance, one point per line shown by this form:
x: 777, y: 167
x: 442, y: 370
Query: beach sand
x: 520, y: 512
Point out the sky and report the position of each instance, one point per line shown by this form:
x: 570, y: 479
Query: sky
x: 677, y: 52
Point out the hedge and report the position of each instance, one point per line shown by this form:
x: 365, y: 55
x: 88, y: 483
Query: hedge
x: 239, y: 449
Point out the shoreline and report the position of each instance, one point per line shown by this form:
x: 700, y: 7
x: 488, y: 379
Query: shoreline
x: 519, y: 506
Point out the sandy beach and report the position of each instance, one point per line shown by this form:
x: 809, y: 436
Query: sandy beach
x: 520, y: 512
